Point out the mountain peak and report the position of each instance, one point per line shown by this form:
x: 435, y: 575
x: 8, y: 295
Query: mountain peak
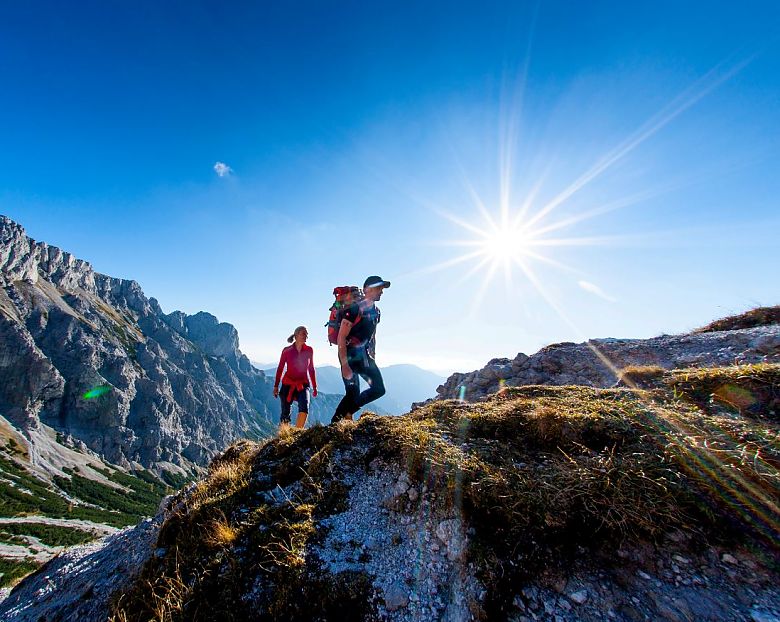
x: 215, y: 338
x: 163, y: 403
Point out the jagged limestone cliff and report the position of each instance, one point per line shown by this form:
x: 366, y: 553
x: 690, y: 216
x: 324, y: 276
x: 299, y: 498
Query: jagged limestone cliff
x: 168, y: 391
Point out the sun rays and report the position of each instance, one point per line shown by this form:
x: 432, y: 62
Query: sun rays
x: 517, y: 233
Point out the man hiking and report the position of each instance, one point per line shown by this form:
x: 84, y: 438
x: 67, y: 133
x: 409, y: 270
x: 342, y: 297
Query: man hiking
x: 356, y: 348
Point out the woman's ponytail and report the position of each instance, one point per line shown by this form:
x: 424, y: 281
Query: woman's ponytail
x: 298, y: 329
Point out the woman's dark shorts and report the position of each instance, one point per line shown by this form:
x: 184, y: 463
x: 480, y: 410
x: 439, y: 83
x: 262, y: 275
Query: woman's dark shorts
x: 301, y: 396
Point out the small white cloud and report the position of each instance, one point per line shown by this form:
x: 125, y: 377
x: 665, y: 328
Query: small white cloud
x: 222, y: 169
x: 595, y: 289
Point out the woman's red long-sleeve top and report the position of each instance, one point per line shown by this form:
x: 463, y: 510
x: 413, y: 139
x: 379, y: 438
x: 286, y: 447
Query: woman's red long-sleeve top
x: 300, y: 367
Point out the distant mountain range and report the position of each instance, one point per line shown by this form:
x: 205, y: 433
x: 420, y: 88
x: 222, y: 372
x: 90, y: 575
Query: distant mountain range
x: 405, y: 384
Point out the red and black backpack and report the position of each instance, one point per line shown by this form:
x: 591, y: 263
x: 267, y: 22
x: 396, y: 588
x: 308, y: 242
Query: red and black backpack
x: 345, y: 296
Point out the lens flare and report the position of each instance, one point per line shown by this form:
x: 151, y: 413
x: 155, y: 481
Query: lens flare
x: 97, y: 392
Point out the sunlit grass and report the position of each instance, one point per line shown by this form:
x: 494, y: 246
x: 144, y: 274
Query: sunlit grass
x: 760, y: 316
x: 535, y: 472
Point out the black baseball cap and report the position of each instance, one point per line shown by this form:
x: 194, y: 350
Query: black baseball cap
x: 375, y: 281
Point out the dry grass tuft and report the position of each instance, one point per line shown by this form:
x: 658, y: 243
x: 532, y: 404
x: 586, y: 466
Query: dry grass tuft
x: 760, y: 316
x: 248, y: 527
x: 164, y: 599
x: 558, y: 464
x: 285, y: 547
x: 542, y: 466
x: 641, y: 376
x: 750, y: 390
x: 219, y: 533
x: 286, y: 432
x: 226, y: 475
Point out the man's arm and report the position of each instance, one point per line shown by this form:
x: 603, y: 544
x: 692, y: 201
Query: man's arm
x: 341, y: 341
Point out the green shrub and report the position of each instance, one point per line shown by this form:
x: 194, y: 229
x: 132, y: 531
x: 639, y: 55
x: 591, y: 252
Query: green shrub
x: 116, y: 507
x: 12, y: 571
x: 50, y: 535
x: 175, y: 480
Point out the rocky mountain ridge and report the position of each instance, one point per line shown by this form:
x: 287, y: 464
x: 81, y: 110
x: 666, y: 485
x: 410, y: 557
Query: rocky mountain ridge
x: 93, y: 358
x: 565, y: 504
x: 598, y: 362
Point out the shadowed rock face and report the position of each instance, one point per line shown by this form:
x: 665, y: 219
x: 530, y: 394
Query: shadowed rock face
x: 178, y: 387
x: 596, y: 363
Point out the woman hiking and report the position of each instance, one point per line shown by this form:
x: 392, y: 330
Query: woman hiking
x: 299, y: 361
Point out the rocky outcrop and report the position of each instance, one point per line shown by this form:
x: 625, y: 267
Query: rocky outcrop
x: 431, y: 579
x: 570, y: 507
x: 94, y: 570
x: 94, y: 358
x: 598, y: 362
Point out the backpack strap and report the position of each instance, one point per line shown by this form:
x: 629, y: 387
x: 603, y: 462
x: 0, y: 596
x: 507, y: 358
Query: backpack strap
x: 355, y: 340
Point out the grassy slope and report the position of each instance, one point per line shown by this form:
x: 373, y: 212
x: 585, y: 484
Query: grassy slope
x: 50, y: 535
x: 536, y: 472
x: 22, y: 494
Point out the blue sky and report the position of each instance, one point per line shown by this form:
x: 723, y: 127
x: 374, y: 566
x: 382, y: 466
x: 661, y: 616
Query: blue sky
x: 361, y: 139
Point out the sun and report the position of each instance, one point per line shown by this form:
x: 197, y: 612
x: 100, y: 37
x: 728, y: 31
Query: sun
x: 516, y: 234
x: 501, y: 244
x: 505, y: 244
